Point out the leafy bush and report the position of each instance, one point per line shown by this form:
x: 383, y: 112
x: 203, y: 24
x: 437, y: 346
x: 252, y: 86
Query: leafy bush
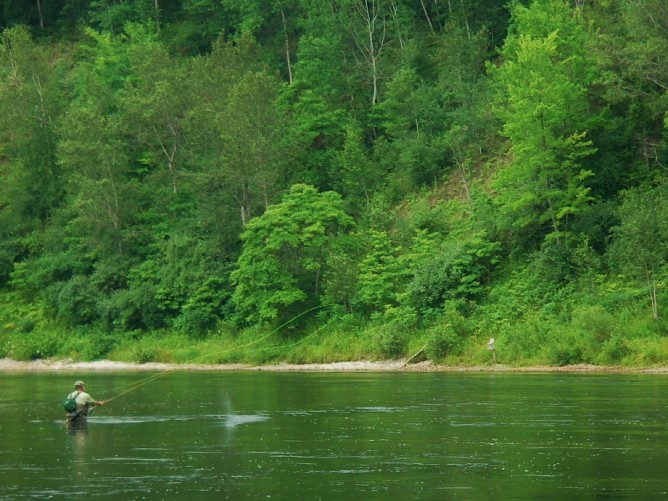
x: 34, y: 346
x: 389, y: 342
x: 449, y: 269
x: 97, y: 345
x: 526, y: 340
x: 442, y: 342
x: 131, y: 309
x: 566, y: 351
x: 594, y: 323
x: 25, y: 325
x: 5, y: 347
x: 614, y: 350
x: 447, y: 337
x: 195, y: 321
x: 77, y: 301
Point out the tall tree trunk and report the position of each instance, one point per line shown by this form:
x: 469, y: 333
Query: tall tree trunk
x: 114, y: 209
x: 156, y: 6
x: 39, y: 13
x: 651, y: 286
x: 466, y: 21
x: 395, y: 13
x: 244, y: 202
x: 369, y: 38
x: 287, y: 47
x: 426, y: 14
x: 369, y: 10
x: 169, y: 155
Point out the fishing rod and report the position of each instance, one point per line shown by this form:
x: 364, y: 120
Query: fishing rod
x: 138, y: 384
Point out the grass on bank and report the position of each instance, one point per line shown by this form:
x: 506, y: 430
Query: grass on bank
x: 591, y: 336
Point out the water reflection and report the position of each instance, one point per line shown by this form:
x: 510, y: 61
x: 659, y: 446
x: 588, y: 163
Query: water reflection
x: 78, y: 458
x: 228, y: 421
x: 80, y: 423
x: 372, y: 436
x: 238, y: 420
x: 78, y: 439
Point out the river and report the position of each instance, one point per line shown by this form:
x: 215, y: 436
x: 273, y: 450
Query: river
x: 272, y: 435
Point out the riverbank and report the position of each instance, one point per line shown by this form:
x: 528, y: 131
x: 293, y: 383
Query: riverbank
x: 8, y: 365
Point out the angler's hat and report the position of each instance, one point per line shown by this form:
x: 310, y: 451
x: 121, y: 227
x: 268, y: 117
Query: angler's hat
x: 79, y: 383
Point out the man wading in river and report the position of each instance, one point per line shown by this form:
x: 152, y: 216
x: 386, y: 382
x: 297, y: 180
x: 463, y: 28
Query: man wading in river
x: 76, y: 420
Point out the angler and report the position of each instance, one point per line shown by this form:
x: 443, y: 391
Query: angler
x: 78, y: 404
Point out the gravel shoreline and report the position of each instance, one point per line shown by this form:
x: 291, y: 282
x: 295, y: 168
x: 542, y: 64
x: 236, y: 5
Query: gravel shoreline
x: 7, y: 365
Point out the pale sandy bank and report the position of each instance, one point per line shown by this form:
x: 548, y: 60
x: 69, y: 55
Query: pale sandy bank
x: 359, y: 366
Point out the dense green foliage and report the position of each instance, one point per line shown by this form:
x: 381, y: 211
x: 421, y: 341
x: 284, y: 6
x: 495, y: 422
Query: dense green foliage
x: 180, y: 178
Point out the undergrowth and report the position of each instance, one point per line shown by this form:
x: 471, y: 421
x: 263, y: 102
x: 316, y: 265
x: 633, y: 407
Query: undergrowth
x: 590, y: 335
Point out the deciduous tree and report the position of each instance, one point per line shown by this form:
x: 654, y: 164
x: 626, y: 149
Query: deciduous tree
x: 31, y: 104
x: 284, y: 254
x: 640, y: 246
x: 545, y: 78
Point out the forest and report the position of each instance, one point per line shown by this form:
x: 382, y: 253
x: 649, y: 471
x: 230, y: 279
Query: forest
x: 327, y: 180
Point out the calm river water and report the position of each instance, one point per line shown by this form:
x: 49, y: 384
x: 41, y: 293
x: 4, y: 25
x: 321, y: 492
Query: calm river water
x: 364, y: 436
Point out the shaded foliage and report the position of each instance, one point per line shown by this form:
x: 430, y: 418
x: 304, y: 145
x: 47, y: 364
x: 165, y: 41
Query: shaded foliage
x: 440, y: 169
